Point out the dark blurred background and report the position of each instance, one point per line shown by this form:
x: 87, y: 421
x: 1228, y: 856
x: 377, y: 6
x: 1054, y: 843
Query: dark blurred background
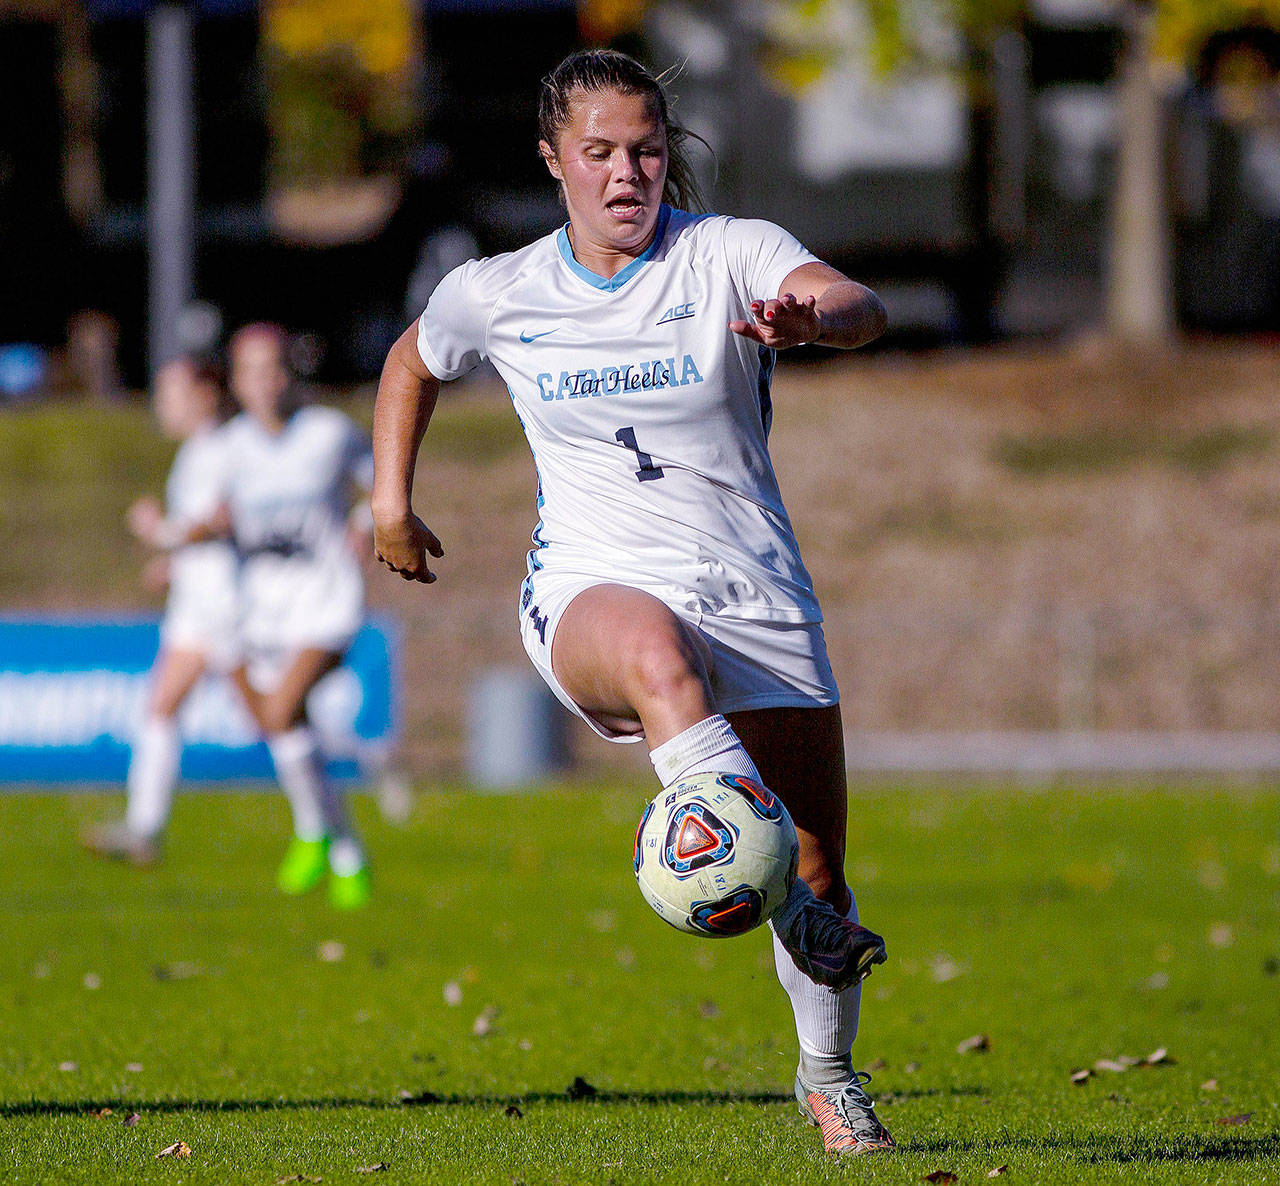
x: 966, y: 158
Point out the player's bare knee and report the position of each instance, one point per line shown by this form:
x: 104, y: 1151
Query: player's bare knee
x: 665, y: 667
x: 276, y: 717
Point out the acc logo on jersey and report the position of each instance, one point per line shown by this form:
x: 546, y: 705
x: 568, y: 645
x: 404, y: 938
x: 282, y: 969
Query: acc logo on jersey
x: 676, y: 313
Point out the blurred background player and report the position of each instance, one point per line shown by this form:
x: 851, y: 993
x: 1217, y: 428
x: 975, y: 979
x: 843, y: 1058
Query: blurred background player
x: 290, y: 483
x: 199, y: 630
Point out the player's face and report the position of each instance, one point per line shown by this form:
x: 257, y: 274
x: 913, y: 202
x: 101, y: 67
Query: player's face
x: 259, y: 378
x: 612, y: 161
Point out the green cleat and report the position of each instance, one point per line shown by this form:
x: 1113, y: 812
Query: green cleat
x: 303, y: 866
x: 350, y: 891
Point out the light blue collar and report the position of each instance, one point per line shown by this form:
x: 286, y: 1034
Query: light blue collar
x: 613, y: 283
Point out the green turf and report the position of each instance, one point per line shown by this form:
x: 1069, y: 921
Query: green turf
x: 1067, y: 926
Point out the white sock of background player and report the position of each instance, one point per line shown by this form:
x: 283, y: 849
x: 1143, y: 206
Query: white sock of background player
x: 153, y: 772
x: 319, y: 807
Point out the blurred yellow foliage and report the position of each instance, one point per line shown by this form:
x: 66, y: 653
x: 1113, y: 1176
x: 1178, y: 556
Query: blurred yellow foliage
x: 803, y: 38
x: 603, y: 20
x: 341, y: 87
x: 378, y: 33
x: 1183, y: 25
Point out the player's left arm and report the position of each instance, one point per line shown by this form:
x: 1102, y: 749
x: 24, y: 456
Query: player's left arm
x: 815, y: 303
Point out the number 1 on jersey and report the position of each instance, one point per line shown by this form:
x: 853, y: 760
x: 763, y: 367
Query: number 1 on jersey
x: 647, y: 471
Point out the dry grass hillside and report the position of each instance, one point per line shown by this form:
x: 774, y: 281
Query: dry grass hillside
x: 1010, y: 539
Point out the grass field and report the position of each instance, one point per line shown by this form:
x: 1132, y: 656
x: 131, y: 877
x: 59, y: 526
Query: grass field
x: 508, y: 957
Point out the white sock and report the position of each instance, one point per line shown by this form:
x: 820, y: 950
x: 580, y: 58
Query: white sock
x: 153, y: 773
x: 709, y: 747
x: 318, y: 806
x: 826, y: 1021
x: 346, y: 856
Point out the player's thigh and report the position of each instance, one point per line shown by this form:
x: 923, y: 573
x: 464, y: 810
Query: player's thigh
x: 285, y: 705
x: 800, y: 755
x: 176, y: 672
x: 616, y: 647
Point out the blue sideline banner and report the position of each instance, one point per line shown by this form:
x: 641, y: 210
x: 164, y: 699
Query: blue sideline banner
x: 73, y: 692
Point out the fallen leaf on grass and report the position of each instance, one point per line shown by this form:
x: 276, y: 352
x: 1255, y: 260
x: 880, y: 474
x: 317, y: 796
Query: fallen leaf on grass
x: 180, y: 970
x: 1243, y: 1118
x: 1222, y: 934
x: 177, y: 1149
x: 978, y: 1044
x: 104, y: 1112
x: 514, y: 1112
x: 944, y: 968
x: 1209, y: 1085
x: 376, y: 1168
x: 580, y: 1089
x: 995, y: 1173
x: 131, y: 1121
x: 940, y: 1176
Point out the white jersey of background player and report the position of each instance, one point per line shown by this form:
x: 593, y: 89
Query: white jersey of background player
x: 199, y: 631
x: 289, y: 482
x: 666, y: 597
x: 289, y: 494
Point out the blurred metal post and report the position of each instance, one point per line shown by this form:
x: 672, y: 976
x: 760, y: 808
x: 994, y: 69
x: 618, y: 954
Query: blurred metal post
x: 170, y: 177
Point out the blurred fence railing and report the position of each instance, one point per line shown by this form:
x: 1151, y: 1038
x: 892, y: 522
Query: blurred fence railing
x: 1038, y: 689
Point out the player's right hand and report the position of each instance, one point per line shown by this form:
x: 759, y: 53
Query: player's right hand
x: 403, y: 544
x: 144, y: 519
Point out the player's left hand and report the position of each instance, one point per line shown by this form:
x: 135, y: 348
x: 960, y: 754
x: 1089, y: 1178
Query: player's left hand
x: 781, y: 323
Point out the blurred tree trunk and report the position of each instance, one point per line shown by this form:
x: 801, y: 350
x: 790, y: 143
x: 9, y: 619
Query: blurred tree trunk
x: 1139, y: 284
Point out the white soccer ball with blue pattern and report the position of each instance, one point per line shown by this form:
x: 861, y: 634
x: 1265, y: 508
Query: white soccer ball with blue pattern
x: 716, y: 854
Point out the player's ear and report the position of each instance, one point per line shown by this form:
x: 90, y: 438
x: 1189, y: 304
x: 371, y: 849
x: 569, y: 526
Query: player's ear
x: 549, y: 156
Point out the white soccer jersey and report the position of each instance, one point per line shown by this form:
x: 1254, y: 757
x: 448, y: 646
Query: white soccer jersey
x: 648, y: 419
x: 202, y: 577
x: 289, y: 494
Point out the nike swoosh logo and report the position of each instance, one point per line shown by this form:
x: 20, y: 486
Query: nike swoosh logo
x: 524, y: 337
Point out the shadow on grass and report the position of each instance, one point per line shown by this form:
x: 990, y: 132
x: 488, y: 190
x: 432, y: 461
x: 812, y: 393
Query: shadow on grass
x: 579, y: 1093
x: 1118, y: 1150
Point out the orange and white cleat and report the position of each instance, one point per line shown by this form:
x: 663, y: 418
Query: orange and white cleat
x: 845, y: 1115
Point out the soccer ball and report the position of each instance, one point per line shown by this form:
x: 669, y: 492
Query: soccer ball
x: 716, y: 854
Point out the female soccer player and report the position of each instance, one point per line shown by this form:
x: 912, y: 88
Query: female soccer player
x: 666, y: 599
x: 199, y: 631
x: 288, y: 487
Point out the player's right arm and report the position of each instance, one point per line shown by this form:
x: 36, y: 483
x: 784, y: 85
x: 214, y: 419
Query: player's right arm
x: 407, y: 393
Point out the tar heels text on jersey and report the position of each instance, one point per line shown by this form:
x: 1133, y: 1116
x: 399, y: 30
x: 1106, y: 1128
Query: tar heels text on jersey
x: 612, y: 380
